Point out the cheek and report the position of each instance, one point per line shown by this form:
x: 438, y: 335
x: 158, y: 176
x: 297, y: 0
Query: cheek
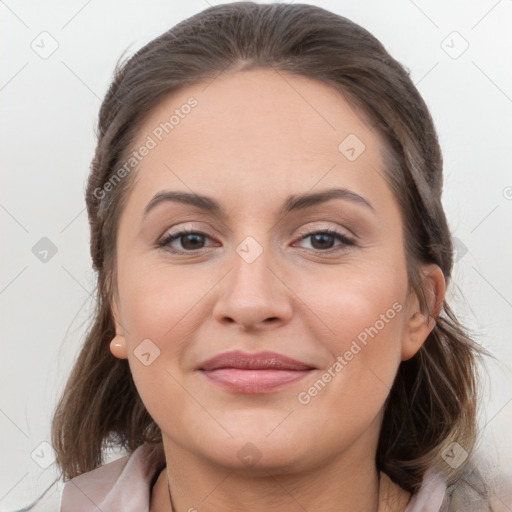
x: 159, y: 303
x: 161, y: 310
x: 362, y: 325
x: 358, y: 303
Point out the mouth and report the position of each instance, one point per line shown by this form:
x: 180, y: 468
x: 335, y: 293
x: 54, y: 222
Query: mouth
x: 245, y: 373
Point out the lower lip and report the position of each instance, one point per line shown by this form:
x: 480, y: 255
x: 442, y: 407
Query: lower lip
x: 254, y: 381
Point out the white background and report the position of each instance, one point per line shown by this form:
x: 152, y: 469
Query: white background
x: 49, y: 111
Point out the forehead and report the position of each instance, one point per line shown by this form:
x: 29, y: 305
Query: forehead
x: 258, y: 130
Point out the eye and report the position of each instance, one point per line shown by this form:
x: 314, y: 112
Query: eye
x: 323, y: 240
x: 189, y: 240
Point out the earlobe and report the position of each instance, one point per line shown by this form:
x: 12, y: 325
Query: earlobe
x: 118, y: 347
x: 420, y: 324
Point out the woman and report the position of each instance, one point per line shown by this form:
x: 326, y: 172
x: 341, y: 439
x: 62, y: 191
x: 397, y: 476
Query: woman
x: 272, y: 255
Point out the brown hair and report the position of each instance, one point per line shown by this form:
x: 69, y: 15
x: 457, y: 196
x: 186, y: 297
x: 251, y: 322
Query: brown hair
x: 433, y: 400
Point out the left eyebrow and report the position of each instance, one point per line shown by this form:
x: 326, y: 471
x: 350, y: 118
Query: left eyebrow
x: 294, y: 202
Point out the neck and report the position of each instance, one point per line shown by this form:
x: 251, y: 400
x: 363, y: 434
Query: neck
x: 336, y: 485
x: 231, y: 492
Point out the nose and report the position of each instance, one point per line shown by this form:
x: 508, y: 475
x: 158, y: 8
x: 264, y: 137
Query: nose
x: 253, y: 295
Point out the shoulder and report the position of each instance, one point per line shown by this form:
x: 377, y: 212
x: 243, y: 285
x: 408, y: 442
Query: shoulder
x: 104, y: 488
x: 480, y: 489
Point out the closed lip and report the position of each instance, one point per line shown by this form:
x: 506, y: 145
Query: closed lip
x: 258, y: 361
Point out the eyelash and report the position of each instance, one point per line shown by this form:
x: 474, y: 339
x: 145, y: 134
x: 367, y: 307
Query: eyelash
x: 167, y: 240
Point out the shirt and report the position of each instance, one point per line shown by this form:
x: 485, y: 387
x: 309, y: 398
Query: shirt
x: 125, y: 485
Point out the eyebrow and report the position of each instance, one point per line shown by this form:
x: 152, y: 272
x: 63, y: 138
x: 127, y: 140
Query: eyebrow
x: 294, y: 202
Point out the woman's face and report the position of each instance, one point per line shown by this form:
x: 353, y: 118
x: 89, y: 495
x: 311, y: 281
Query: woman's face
x: 261, y: 274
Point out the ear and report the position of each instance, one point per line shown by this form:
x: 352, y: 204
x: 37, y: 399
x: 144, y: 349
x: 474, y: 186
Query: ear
x: 118, y: 344
x: 418, y: 324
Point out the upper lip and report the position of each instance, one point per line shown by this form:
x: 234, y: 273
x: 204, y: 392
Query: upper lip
x: 257, y: 361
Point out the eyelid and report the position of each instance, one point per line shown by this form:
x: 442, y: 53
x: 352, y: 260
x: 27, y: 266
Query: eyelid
x: 189, y: 227
x: 307, y: 231
x: 316, y: 226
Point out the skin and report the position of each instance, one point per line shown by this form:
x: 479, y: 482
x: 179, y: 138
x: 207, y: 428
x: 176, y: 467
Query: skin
x: 254, y: 139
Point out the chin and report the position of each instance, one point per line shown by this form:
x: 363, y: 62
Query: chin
x: 258, y: 444
x: 244, y: 455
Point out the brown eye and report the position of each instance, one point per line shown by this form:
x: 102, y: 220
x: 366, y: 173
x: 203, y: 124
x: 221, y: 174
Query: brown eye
x: 324, y: 240
x: 188, y: 241
x: 192, y: 241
